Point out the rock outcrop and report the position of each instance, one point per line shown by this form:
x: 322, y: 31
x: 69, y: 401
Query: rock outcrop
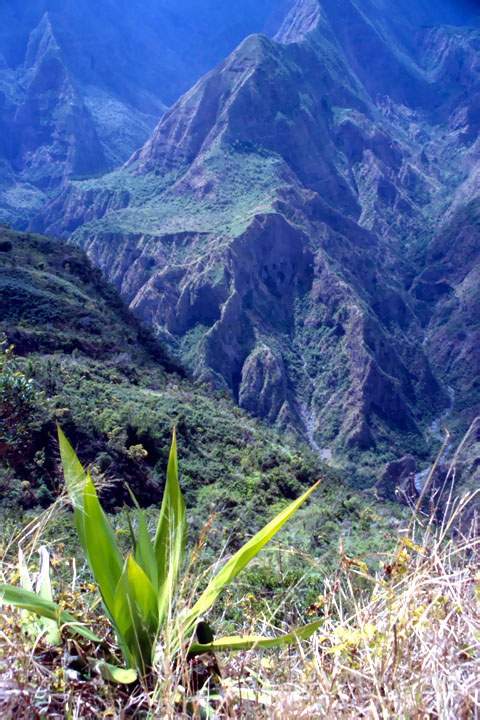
x: 398, y: 479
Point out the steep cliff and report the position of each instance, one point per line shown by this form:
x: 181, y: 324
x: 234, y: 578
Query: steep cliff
x: 81, y: 359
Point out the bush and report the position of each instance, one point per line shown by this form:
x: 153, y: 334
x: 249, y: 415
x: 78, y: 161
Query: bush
x: 21, y: 413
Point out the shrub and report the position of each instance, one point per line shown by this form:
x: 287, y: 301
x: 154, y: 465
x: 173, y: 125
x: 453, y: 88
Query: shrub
x: 21, y: 415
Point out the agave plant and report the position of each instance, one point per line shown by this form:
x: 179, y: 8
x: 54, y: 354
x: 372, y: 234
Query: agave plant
x: 139, y: 593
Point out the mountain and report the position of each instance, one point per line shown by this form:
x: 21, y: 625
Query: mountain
x: 288, y: 227
x: 283, y: 265
x: 83, y: 84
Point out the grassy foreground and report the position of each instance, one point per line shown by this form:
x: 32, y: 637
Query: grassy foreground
x: 401, y: 642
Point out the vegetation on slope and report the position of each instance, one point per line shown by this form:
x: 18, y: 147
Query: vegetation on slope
x: 399, y: 640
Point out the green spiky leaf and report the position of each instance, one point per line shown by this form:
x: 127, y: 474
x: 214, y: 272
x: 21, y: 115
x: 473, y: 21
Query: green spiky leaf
x: 103, y: 554
x: 250, y: 642
x: 241, y: 559
x: 135, y: 613
x: 171, y: 533
x: 75, y: 479
x: 114, y: 674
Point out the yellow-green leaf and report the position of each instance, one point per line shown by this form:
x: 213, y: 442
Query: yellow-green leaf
x: 72, y: 469
x: 112, y: 673
x: 44, y: 590
x: 145, y: 550
x: 25, y: 579
x: 249, y: 642
x: 135, y: 614
x: 26, y: 600
x: 241, y: 559
x: 171, y: 532
x: 75, y: 479
x: 142, y: 593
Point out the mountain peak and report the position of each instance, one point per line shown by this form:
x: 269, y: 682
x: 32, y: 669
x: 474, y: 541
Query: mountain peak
x: 274, y: 228
x: 301, y: 20
x: 42, y: 42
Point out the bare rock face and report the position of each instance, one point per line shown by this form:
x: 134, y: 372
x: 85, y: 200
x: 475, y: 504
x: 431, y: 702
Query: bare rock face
x: 301, y: 226
x: 263, y: 387
x: 301, y: 20
x: 451, y: 281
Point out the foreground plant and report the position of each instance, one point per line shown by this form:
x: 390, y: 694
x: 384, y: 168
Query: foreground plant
x: 140, y: 593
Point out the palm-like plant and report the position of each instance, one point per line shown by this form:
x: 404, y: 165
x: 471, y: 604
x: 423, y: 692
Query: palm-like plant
x: 139, y: 592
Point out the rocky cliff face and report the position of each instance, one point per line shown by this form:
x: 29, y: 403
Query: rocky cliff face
x: 83, y: 84
x: 301, y: 227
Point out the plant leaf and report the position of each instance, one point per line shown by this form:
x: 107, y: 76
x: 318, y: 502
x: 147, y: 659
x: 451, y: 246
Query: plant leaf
x: 249, y: 642
x: 145, y: 550
x: 72, y: 469
x: 34, y: 625
x: 241, y: 559
x: 44, y: 585
x: 142, y: 593
x: 44, y: 590
x: 171, y: 533
x: 31, y: 623
x: 135, y: 614
x: 26, y: 600
x: 142, y: 543
x: 25, y: 579
x: 75, y: 479
x: 123, y: 620
x: 103, y: 554
x: 112, y: 673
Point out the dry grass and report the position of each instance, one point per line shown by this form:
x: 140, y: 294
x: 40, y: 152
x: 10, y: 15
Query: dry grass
x: 409, y: 650
x: 403, y: 643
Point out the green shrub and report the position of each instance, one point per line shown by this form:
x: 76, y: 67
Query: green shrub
x: 21, y: 412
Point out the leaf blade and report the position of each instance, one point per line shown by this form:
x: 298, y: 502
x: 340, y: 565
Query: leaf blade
x: 44, y: 590
x: 145, y: 550
x: 30, y: 601
x: 103, y: 554
x: 242, y: 558
x: 237, y: 642
x: 135, y: 614
x: 170, y: 538
x: 118, y: 675
x: 75, y: 479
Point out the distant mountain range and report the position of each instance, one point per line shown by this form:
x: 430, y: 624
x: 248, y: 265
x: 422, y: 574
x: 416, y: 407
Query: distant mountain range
x: 82, y: 84
x: 302, y: 227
